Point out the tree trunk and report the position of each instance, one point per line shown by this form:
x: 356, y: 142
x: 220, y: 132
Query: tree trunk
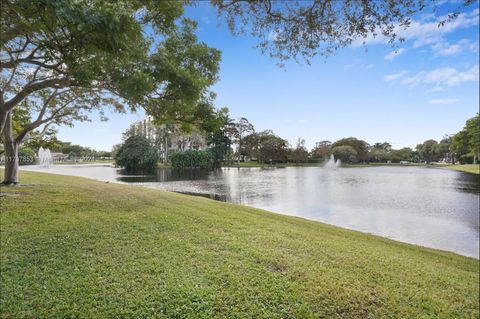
x: 239, y: 150
x: 11, y: 153
x: 3, y: 119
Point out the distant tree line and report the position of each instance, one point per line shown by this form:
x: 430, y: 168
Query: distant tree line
x: 266, y: 147
x: 234, y: 141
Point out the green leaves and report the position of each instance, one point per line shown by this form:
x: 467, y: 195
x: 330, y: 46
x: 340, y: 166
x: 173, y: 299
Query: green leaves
x: 182, y: 70
x: 192, y: 159
x: 466, y: 143
x: 345, y: 153
x: 108, y: 46
x: 135, y: 51
x: 137, y: 152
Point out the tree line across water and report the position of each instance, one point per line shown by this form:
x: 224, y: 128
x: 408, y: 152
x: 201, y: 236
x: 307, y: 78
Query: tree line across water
x: 232, y: 142
x: 237, y: 141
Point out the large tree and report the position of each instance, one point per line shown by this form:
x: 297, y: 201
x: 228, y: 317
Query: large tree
x: 345, y: 153
x: 442, y: 149
x: 271, y: 148
x: 379, y: 152
x: 299, y: 153
x: 427, y: 150
x: 137, y: 152
x: 361, y: 147
x: 321, y: 151
x: 473, y: 132
x: 241, y: 128
x: 465, y: 144
x: 136, y: 52
x: 403, y: 154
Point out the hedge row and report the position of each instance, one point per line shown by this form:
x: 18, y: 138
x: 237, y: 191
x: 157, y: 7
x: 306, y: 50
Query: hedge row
x: 191, y: 159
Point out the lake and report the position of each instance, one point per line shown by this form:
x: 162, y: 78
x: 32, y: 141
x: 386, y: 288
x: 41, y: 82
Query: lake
x: 432, y: 207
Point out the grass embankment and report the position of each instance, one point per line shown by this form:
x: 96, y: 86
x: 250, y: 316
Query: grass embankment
x: 84, y: 162
x: 467, y: 168
x: 353, y: 165
x: 257, y: 164
x: 77, y: 248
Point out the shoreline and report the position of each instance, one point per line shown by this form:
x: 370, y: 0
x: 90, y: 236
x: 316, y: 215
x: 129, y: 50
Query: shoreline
x: 207, y: 196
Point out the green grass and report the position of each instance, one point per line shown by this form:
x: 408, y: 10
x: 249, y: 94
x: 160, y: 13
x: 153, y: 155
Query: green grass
x: 85, y: 162
x: 468, y: 168
x: 257, y: 164
x: 77, y: 248
x: 380, y: 164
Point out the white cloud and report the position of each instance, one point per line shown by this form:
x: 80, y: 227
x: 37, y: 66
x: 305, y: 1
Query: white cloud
x: 436, y: 89
x: 443, y: 101
x: 445, y: 48
x: 395, y: 76
x: 446, y: 76
x: 392, y: 55
x: 428, y: 32
x: 427, y: 16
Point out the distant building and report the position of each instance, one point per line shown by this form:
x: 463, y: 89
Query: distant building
x: 59, y: 157
x: 168, y: 137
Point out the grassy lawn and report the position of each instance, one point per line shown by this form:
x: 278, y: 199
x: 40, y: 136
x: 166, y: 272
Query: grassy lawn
x: 468, y: 168
x: 84, y: 163
x: 77, y: 248
x: 380, y: 164
x: 257, y: 164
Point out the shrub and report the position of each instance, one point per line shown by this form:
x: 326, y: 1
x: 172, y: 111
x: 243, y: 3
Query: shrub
x: 137, y: 152
x: 192, y: 159
x: 466, y: 159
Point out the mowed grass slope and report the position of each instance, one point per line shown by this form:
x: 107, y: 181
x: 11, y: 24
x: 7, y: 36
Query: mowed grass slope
x: 77, y: 248
x: 467, y: 168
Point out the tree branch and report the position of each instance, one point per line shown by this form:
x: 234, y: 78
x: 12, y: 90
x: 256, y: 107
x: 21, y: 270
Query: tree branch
x: 29, y: 60
x: 30, y: 88
x: 40, y: 121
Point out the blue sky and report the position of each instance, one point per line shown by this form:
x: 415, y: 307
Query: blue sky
x: 427, y: 88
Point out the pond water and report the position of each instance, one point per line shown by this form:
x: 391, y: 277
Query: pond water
x: 431, y: 207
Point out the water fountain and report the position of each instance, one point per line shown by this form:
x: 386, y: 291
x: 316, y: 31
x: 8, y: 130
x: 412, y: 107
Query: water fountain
x: 332, y: 163
x: 44, y: 157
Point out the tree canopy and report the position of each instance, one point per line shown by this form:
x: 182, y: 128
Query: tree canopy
x: 361, y: 147
x: 124, y: 54
x: 137, y: 152
x: 466, y: 144
x: 345, y: 153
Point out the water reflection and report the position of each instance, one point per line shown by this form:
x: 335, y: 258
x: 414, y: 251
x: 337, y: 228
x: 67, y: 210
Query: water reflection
x: 162, y: 175
x: 430, y: 207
